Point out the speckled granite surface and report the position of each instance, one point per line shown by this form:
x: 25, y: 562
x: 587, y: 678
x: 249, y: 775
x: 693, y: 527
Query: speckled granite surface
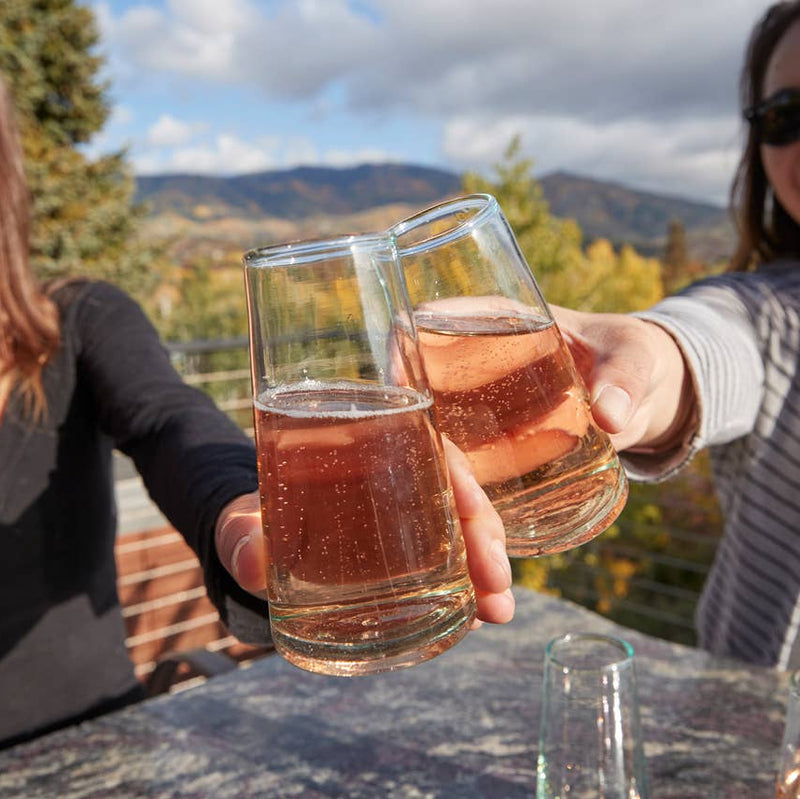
x: 462, y: 725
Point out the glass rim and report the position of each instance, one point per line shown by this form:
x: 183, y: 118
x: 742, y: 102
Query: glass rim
x: 306, y: 251
x: 484, y: 203
x: 620, y: 644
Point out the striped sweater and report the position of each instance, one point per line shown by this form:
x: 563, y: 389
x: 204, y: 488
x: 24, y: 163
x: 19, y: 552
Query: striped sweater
x: 740, y: 335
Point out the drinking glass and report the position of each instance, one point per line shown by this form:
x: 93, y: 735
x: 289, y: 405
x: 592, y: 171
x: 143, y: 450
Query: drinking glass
x: 366, y: 562
x: 789, y: 763
x: 590, y: 744
x: 505, y: 386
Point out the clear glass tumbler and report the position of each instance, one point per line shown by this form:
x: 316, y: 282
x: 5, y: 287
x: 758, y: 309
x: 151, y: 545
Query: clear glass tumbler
x: 590, y: 745
x: 506, y: 388
x: 366, y: 562
x: 789, y: 762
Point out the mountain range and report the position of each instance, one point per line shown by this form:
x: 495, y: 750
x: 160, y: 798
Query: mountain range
x: 602, y: 209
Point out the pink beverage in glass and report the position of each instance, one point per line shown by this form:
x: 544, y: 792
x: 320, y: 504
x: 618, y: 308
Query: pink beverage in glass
x: 346, y: 568
x: 505, y: 393
x: 366, y: 565
x: 505, y: 386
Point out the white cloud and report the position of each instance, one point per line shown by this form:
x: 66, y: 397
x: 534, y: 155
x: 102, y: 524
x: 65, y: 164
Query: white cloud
x: 168, y: 131
x: 196, y: 38
x: 622, y: 88
x: 121, y: 116
x: 441, y: 56
x: 296, y: 150
x: 226, y: 155
x: 229, y: 155
x: 148, y: 163
x: 693, y: 158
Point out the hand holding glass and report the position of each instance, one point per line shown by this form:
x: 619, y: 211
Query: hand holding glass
x: 505, y: 386
x: 366, y: 563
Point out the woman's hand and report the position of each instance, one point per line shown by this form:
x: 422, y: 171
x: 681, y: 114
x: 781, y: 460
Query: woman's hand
x: 485, y: 539
x: 640, y: 388
x: 240, y: 543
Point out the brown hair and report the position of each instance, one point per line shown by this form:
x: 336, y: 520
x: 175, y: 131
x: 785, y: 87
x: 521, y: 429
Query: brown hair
x: 29, y: 323
x: 766, y: 231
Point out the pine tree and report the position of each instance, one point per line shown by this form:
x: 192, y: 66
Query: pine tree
x: 594, y: 279
x: 675, y: 264
x: 84, y: 217
x: 549, y: 245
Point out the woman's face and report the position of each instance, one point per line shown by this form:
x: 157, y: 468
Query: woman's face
x: 782, y: 164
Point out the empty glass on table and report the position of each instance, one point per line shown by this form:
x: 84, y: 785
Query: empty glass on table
x: 590, y: 743
x: 789, y: 762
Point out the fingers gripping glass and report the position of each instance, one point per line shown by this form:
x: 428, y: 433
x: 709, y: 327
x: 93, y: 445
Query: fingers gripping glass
x: 777, y: 119
x: 366, y: 566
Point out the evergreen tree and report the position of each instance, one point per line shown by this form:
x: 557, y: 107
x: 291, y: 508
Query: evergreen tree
x: 675, y: 264
x: 549, y: 245
x: 84, y: 218
x: 594, y: 279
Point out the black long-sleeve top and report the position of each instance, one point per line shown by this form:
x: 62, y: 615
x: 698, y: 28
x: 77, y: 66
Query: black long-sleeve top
x: 62, y: 651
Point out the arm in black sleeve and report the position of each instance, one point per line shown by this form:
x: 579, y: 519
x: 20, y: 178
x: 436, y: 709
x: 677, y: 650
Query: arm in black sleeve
x: 192, y: 457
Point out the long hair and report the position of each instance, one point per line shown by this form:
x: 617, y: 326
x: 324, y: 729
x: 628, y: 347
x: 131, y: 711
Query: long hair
x: 29, y: 322
x: 765, y: 229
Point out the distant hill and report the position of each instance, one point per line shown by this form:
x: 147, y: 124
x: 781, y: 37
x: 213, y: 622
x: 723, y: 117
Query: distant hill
x: 299, y: 193
x: 601, y: 209
x: 620, y: 214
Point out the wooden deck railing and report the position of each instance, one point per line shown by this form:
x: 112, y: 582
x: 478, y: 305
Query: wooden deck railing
x: 164, y: 603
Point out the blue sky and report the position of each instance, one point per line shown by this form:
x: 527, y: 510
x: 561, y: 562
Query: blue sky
x: 634, y: 91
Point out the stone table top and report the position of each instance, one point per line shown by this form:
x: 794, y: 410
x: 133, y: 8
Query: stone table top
x: 464, y: 724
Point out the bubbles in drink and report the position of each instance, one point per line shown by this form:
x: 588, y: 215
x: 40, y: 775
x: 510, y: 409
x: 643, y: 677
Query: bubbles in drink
x: 506, y: 392
x: 360, y: 523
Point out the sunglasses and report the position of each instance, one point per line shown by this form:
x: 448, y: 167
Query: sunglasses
x: 777, y: 119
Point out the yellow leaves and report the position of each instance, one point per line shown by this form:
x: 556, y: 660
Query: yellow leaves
x: 601, y: 254
x: 650, y: 514
x: 534, y: 573
x: 603, y: 280
x: 202, y: 211
x: 614, y: 582
x: 621, y: 571
x: 458, y: 275
x: 198, y: 302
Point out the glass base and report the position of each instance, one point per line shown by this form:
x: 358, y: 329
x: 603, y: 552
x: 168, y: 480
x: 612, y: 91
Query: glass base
x: 373, y: 638
x: 546, y: 520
